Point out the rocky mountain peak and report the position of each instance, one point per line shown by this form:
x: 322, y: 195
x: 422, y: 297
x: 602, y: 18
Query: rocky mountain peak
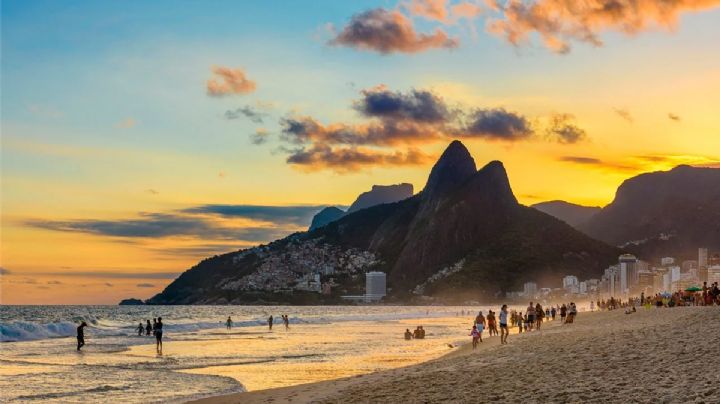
x: 453, y: 168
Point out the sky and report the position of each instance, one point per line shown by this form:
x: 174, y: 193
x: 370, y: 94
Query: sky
x: 141, y: 137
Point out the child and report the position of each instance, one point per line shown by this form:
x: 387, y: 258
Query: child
x: 475, y: 334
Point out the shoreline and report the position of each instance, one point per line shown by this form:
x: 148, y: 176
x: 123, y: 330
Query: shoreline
x: 312, y: 392
x: 606, y: 356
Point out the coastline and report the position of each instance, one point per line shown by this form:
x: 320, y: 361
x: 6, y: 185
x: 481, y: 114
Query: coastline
x: 603, y: 357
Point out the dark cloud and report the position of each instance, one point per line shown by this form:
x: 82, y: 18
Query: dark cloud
x: 384, y: 31
x: 296, y: 215
x: 416, y: 105
x: 152, y: 191
x: 5, y: 271
x: 259, y: 137
x: 160, y: 225
x: 624, y: 114
x: 110, y: 285
x: 674, y: 117
x: 353, y: 158
x: 581, y: 160
x: 563, y: 129
x: 54, y: 283
x: 247, y: 111
x: 558, y: 22
x: 145, y: 285
x: 497, y: 124
x: 112, y: 274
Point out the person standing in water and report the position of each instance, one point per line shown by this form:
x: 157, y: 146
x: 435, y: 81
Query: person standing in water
x: 158, y: 334
x: 270, y: 322
x: 148, y: 328
x: 81, y: 335
x: 141, y: 329
x: 228, y: 323
x: 504, y: 331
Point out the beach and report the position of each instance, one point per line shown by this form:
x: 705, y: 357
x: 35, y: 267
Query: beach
x: 663, y: 355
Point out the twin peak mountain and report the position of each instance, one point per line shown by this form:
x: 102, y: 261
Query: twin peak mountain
x: 463, y: 237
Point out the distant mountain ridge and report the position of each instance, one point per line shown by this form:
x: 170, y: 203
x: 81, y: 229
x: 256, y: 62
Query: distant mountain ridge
x: 570, y: 213
x: 378, y: 195
x: 464, y: 237
x: 663, y: 213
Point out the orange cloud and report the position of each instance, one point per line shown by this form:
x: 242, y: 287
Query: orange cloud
x: 229, y: 81
x: 348, y: 159
x: 560, y: 21
x: 386, y: 32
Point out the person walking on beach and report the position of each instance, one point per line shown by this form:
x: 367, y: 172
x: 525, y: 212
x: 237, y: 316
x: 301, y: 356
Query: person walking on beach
x: 286, y: 321
x: 81, y: 335
x: 158, y: 334
x: 530, y: 312
x: 491, y: 322
x: 563, y: 313
x: 141, y: 329
x: 154, y: 325
x: 270, y: 322
x: 228, y: 323
x: 148, y: 328
x: 553, y: 312
x: 539, y: 314
x: 475, y: 336
x: 504, y: 324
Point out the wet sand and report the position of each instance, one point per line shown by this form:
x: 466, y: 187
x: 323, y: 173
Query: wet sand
x: 653, y: 355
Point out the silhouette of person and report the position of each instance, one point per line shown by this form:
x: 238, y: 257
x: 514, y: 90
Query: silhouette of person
x: 158, y: 334
x: 140, y: 329
x: 81, y: 335
x: 148, y: 328
x: 270, y: 322
x: 229, y: 323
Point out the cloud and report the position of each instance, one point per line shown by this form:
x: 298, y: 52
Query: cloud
x: 580, y: 160
x: 247, y: 111
x: 229, y: 81
x: 260, y: 136
x: 673, y: 117
x: 321, y: 156
x: 558, y: 22
x: 145, y: 285
x: 5, y: 271
x: 54, y: 283
x: 108, y: 284
x: 110, y: 274
x: 126, y: 123
x: 624, y: 114
x: 299, y: 215
x: 442, y: 11
x: 416, y: 105
x: 384, y: 31
x: 563, y: 130
x: 152, y: 191
x: 497, y: 124
x: 157, y: 225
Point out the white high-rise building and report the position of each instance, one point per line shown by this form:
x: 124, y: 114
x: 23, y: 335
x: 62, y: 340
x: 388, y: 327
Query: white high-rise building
x: 665, y: 261
x: 713, y: 274
x: 628, y: 271
x: 674, y: 273
x: 530, y: 289
x: 569, y: 281
x: 583, y: 287
x: 375, y: 285
x: 702, y: 257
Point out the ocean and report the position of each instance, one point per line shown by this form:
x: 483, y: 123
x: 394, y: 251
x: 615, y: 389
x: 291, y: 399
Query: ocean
x: 200, y: 357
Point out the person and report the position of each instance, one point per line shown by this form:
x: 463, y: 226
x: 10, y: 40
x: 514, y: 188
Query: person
x: 475, y: 336
x: 520, y: 322
x: 148, y: 328
x: 81, y: 335
x: 503, y: 324
x: 158, y: 334
x: 270, y: 322
x: 553, y: 312
x: 408, y: 334
x: 141, y: 329
x: 422, y: 332
x: 530, y: 311
x: 492, y: 328
x: 563, y: 313
x: 286, y: 321
x: 539, y: 314
x: 154, y: 326
x: 228, y: 323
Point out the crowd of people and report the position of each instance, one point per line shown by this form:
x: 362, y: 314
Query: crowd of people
x: 419, y: 333
x: 155, y: 329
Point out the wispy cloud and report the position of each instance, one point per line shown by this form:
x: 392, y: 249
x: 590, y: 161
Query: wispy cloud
x: 260, y: 136
x: 497, y: 124
x: 563, y: 129
x: 247, y: 111
x: 299, y: 215
x: 673, y: 117
x: 126, y: 123
x: 5, y: 271
x: 145, y: 285
x: 624, y: 114
x: 229, y: 81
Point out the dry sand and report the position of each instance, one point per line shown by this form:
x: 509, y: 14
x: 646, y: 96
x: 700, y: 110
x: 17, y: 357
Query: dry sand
x: 652, y: 356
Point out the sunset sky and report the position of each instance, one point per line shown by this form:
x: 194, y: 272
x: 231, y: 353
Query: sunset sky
x: 140, y: 137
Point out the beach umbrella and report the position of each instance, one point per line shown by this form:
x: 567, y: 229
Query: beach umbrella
x: 693, y: 289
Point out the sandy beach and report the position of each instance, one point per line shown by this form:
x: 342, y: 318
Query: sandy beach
x: 653, y: 355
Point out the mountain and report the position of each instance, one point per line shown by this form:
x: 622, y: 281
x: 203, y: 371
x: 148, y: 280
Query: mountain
x: 569, y: 213
x: 663, y: 213
x: 464, y: 237
x: 378, y: 195
x: 325, y: 216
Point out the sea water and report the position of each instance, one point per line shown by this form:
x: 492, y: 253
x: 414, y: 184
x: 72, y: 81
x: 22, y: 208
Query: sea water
x: 200, y: 357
